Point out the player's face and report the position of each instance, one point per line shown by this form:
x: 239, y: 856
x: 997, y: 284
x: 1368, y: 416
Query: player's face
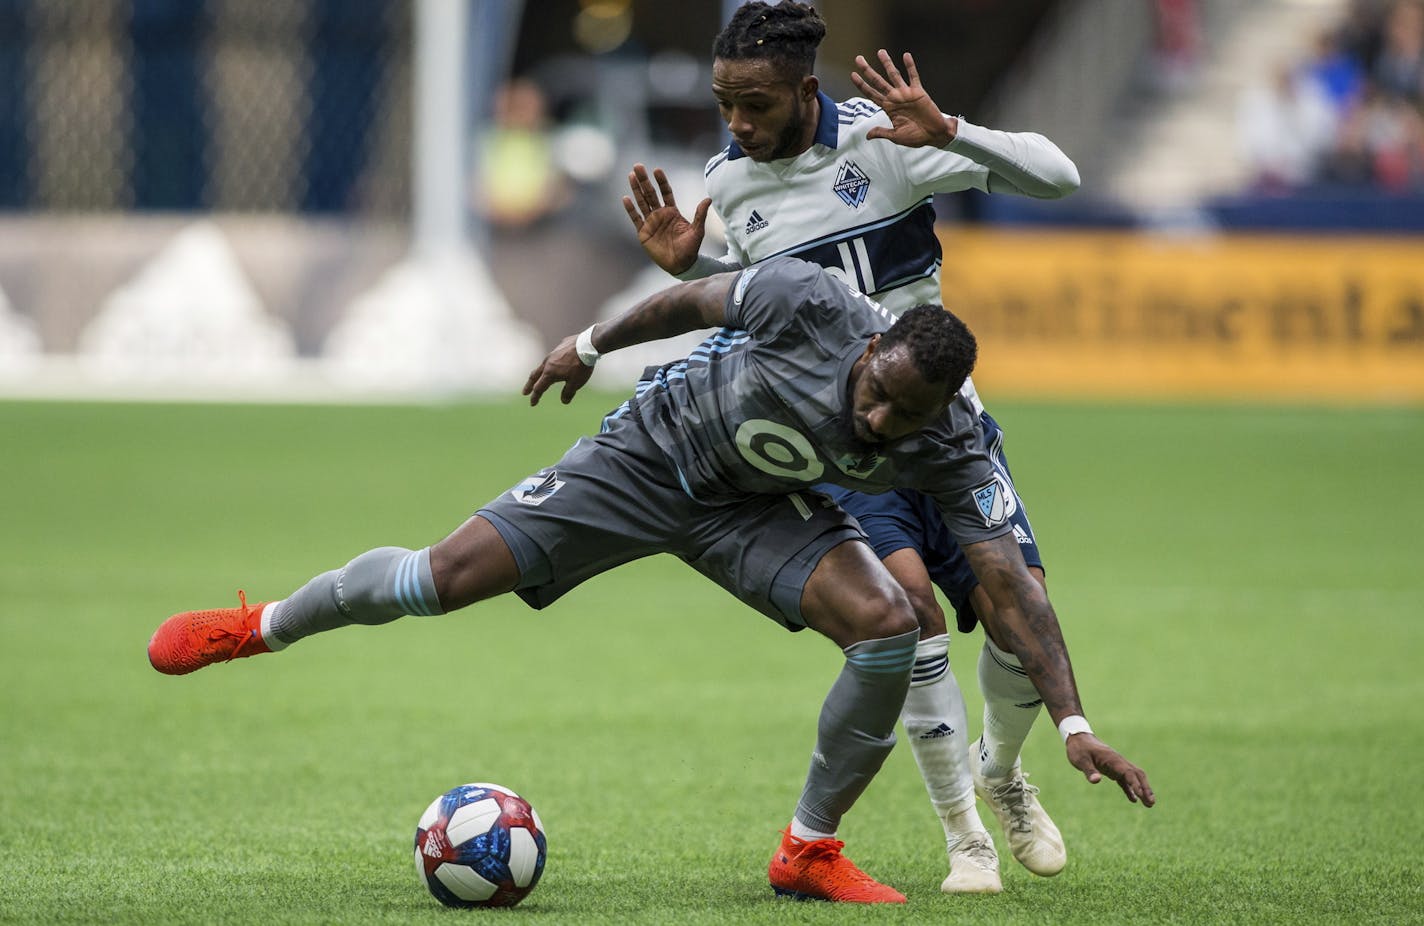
x: 889, y: 397
x: 768, y: 112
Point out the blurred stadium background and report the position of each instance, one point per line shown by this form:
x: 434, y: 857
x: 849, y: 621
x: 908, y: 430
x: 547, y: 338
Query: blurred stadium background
x: 336, y: 199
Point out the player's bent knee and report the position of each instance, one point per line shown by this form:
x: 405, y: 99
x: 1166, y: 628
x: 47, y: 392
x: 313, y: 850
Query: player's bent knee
x: 472, y: 564
x: 881, y: 616
x: 928, y: 615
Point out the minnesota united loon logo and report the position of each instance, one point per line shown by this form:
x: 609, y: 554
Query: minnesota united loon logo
x: 537, y: 488
x: 851, y: 185
x: 859, y: 467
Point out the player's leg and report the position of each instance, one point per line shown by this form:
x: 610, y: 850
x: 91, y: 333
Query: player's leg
x: 937, y: 724
x: 851, y: 599
x: 901, y: 526
x: 376, y: 587
x: 803, y: 562
x: 496, y: 551
x: 471, y: 564
x: 1011, y: 705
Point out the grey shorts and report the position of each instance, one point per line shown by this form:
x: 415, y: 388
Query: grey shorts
x: 614, y: 498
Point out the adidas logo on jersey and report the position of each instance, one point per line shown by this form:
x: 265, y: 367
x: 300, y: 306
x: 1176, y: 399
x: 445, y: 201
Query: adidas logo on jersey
x: 1021, y: 535
x: 755, y: 222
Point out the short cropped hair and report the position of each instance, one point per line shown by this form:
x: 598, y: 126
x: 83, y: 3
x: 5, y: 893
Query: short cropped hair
x: 786, y: 33
x: 941, y: 347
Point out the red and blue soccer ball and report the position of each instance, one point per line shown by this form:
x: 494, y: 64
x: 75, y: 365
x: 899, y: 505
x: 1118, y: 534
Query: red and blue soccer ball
x: 479, y: 845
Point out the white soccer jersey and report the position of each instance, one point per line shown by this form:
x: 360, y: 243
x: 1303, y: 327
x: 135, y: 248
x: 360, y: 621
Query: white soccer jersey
x: 862, y: 208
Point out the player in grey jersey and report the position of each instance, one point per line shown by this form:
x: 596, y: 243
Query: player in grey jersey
x: 713, y: 462
x: 849, y: 185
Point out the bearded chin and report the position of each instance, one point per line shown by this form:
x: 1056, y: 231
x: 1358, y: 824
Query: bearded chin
x: 790, y: 136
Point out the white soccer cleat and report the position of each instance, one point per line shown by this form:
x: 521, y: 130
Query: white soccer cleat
x: 973, y: 866
x: 1033, y: 838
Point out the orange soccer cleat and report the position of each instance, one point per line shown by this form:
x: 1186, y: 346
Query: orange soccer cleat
x: 188, y: 641
x: 814, y: 869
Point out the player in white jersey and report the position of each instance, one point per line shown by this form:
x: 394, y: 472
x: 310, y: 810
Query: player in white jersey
x: 849, y: 186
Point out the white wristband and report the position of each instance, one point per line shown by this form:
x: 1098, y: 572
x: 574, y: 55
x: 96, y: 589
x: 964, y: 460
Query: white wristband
x: 1073, y: 723
x: 587, y: 353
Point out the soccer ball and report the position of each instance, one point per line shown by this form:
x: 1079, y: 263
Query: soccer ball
x: 479, y: 845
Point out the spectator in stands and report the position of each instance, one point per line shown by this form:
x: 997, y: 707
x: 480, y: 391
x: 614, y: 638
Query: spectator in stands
x: 1178, y: 43
x: 1399, y: 69
x: 1352, y: 115
x: 1338, y: 72
x: 1380, y: 144
x: 1284, y: 129
x: 520, y: 183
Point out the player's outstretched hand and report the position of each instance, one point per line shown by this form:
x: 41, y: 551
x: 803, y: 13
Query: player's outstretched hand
x: 668, y: 237
x: 915, y: 120
x: 1094, y: 759
x: 562, y: 365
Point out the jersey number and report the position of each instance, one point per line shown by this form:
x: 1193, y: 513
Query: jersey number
x: 778, y: 450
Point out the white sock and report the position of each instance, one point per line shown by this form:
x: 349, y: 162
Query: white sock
x: 937, y: 726
x: 274, y: 643
x: 1011, y: 704
x: 802, y: 831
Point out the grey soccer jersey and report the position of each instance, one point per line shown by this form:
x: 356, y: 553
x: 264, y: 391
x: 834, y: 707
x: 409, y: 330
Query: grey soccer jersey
x: 762, y: 406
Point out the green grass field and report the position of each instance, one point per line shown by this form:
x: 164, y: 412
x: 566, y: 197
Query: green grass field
x: 1241, y: 589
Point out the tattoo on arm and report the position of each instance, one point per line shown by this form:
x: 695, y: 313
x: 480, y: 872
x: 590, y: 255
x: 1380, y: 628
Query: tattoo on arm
x: 673, y: 311
x: 1024, y: 619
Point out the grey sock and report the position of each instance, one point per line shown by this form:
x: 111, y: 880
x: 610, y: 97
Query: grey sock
x: 857, y: 727
x: 376, y: 587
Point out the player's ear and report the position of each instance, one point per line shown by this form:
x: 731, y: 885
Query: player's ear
x: 810, y: 86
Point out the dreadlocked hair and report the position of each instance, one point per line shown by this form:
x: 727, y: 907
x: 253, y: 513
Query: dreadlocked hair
x: 941, y: 347
x: 786, y: 32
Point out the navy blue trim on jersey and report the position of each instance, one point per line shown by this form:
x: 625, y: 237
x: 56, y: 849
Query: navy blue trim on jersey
x: 860, y: 109
x: 717, y: 160
x: 880, y: 255
x: 828, y: 130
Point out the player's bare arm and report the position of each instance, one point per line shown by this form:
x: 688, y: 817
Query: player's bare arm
x: 664, y: 232
x: 673, y: 311
x: 1024, y: 619
x: 915, y: 120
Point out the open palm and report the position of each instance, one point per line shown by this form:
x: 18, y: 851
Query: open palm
x: 664, y: 232
x: 915, y: 120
